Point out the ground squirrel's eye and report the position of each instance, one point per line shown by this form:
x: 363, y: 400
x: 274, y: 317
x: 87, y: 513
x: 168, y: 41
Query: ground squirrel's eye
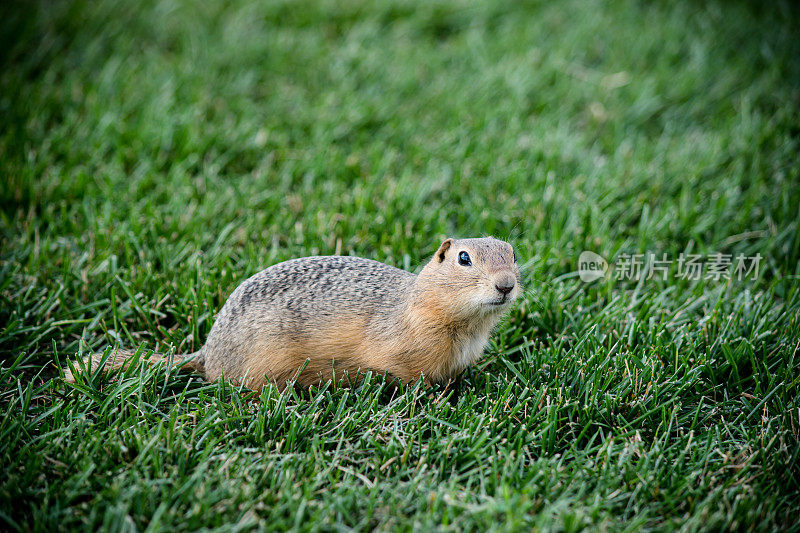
x: 463, y: 259
x: 514, y: 253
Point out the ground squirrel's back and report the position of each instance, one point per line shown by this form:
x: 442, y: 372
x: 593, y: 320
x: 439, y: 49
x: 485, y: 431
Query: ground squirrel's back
x: 275, y: 319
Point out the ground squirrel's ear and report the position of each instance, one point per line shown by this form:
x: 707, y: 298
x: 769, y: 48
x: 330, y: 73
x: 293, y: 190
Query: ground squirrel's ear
x: 440, y: 253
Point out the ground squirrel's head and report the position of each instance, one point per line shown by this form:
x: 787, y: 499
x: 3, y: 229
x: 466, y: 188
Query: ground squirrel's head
x: 478, y: 276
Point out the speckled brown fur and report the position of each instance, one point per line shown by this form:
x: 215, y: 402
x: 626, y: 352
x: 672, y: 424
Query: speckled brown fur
x: 347, y: 314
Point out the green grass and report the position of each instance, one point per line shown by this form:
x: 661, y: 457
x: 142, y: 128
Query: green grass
x: 155, y: 154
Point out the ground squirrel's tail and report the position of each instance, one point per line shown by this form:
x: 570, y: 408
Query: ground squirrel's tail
x: 123, y: 358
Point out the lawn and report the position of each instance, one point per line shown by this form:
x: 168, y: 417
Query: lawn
x: 154, y: 154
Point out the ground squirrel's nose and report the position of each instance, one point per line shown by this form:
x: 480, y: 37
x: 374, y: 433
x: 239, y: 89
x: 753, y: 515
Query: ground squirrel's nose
x: 505, y: 284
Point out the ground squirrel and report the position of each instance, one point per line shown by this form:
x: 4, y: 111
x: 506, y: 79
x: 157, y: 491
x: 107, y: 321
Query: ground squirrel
x: 334, y: 316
